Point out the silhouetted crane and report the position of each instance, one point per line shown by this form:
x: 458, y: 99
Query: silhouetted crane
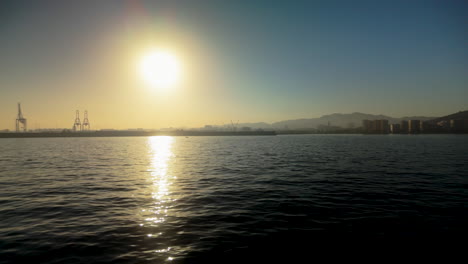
x: 21, y: 123
x: 77, y: 124
x: 86, y: 126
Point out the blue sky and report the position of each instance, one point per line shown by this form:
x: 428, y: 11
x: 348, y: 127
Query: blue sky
x: 248, y: 60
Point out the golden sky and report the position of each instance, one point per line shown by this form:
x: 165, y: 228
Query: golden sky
x: 239, y: 61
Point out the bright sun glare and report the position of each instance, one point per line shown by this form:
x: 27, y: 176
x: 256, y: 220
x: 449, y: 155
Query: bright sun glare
x: 160, y: 69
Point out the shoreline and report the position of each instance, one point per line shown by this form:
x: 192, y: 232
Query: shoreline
x: 134, y: 134
x: 189, y: 133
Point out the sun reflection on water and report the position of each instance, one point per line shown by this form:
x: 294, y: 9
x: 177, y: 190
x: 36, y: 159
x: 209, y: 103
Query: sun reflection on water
x: 160, y: 179
x: 160, y: 151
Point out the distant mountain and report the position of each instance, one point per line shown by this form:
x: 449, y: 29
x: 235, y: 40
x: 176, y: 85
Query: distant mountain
x: 459, y: 115
x: 341, y: 120
x: 353, y: 120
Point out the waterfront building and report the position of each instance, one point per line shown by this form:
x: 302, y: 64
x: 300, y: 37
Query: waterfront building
x: 366, y: 126
x: 423, y: 126
x: 458, y: 125
x: 404, y: 128
x: 395, y: 128
x: 375, y: 126
x: 383, y: 126
x: 414, y: 126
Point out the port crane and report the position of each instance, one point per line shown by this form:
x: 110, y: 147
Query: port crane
x: 77, y: 124
x: 85, y: 126
x: 21, y: 122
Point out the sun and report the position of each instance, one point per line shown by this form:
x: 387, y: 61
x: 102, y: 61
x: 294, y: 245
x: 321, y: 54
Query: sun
x: 160, y: 69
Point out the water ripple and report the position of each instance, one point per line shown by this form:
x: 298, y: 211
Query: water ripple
x: 219, y: 200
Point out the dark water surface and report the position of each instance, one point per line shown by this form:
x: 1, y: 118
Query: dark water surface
x: 202, y: 199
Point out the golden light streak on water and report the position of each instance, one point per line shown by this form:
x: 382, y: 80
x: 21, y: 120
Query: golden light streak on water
x: 160, y: 151
x: 160, y: 180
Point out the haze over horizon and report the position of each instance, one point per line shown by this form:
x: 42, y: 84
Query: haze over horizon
x: 239, y: 60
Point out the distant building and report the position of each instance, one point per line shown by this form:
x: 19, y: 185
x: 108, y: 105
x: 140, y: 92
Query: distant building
x: 395, y: 128
x: 424, y: 127
x: 459, y: 125
x: 375, y: 126
x: 404, y: 127
x: 383, y: 126
x: 366, y: 126
x: 414, y: 126
x: 444, y: 124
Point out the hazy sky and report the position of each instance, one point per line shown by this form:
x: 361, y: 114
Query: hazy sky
x: 242, y: 60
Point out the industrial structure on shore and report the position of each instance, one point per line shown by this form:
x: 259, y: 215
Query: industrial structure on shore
x: 83, y: 129
x: 21, y: 122
x: 22, y: 127
x: 78, y: 126
x: 453, y: 123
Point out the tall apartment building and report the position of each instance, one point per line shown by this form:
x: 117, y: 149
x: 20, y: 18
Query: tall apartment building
x: 404, y: 127
x: 414, y: 126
